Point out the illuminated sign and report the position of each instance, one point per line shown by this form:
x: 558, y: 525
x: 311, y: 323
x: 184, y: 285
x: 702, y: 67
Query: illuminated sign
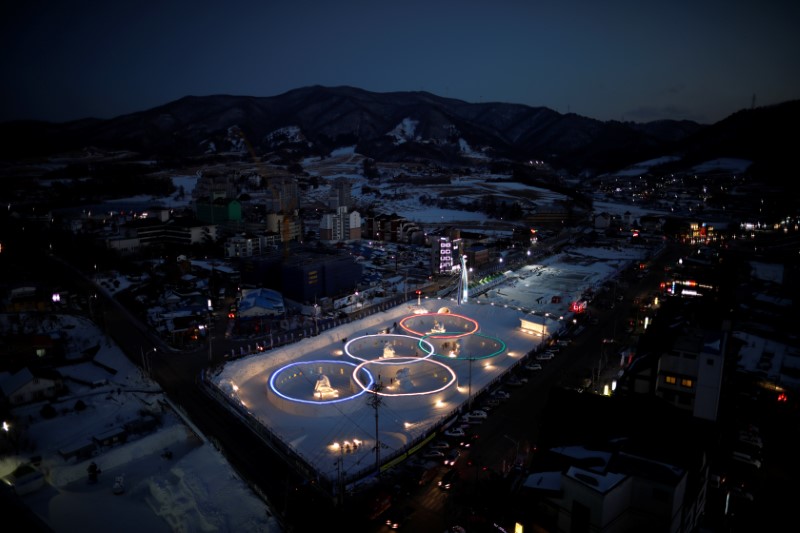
x: 579, y: 306
x: 446, y: 261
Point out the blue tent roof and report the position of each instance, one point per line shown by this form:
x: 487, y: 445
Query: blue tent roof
x: 256, y: 302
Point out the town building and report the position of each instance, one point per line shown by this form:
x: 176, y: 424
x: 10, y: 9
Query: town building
x: 340, y: 226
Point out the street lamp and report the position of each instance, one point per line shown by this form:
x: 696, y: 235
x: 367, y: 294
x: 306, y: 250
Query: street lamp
x: 12, y: 438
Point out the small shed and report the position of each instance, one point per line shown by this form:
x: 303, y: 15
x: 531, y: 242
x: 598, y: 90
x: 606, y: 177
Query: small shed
x: 115, y: 435
x: 82, y: 449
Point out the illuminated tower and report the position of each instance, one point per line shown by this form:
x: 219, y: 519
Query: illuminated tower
x: 463, y: 282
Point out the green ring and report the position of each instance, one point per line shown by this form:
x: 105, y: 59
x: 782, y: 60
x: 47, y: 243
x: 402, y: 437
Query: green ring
x: 447, y: 358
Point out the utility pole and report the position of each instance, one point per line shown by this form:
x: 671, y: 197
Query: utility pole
x: 146, y: 365
x: 469, y: 386
x: 340, y: 476
x: 316, y: 315
x: 375, y: 400
x: 145, y: 370
x: 210, y: 332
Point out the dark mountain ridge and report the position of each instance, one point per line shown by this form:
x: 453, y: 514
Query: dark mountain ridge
x: 427, y: 128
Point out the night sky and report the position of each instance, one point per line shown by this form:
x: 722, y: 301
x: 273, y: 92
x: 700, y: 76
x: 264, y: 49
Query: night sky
x: 611, y: 60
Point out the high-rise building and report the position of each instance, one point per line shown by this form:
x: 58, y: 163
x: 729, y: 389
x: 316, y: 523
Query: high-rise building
x: 445, y: 255
x: 340, y: 225
x: 340, y: 195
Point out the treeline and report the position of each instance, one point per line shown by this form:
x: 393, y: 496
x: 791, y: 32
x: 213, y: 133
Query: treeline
x: 81, y: 182
x: 487, y: 204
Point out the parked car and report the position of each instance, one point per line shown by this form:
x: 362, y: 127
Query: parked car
x: 545, y: 356
x: 466, y: 423
x: 492, y: 402
x: 741, y: 457
x: 483, y: 415
x: 470, y: 423
x: 500, y: 394
x: 514, y: 381
x: 440, y: 445
x: 751, y: 450
x: 455, y: 432
x: 433, y: 454
x: 750, y: 438
x: 533, y: 366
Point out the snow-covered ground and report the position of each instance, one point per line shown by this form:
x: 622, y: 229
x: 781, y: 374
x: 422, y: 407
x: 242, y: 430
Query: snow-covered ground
x: 194, y: 490
x: 724, y: 164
